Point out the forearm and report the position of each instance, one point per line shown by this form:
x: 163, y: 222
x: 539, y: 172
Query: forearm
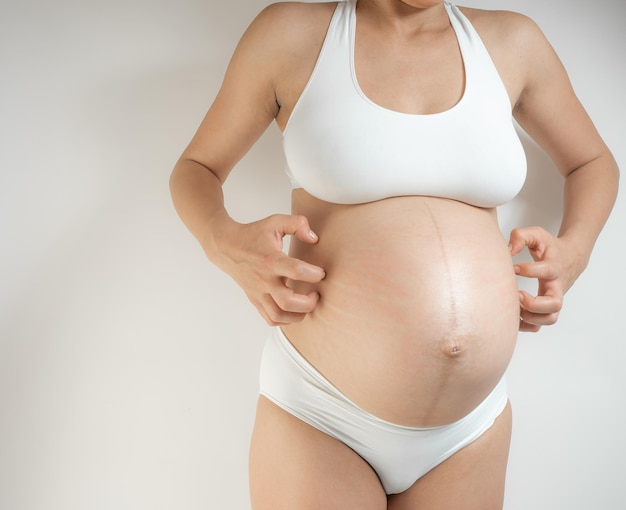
x: 589, y: 196
x: 199, y: 200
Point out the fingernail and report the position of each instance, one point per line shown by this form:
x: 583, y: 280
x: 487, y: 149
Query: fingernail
x: 521, y: 297
x: 516, y: 269
x: 313, y: 235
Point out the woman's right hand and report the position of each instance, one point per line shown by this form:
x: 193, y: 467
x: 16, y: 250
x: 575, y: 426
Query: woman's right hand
x: 252, y: 254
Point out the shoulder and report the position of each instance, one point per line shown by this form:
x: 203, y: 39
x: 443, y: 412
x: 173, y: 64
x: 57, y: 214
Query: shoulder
x: 295, y: 11
x: 279, y: 35
x: 284, y: 24
x: 521, y: 52
x: 282, y: 34
x: 513, y: 33
x: 281, y: 41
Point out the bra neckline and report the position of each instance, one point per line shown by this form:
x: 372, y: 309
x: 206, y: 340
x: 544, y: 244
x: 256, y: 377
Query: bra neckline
x: 454, y: 23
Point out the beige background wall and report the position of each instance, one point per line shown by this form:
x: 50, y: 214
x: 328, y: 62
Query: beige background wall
x: 128, y: 364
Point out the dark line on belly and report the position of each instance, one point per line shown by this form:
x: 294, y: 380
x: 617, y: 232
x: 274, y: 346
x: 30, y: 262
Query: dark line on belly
x: 452, y: 311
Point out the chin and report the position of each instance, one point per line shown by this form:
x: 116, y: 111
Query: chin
x: 422, y: 4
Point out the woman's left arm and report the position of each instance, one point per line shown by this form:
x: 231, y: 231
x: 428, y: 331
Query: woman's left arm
x: 549, y: 111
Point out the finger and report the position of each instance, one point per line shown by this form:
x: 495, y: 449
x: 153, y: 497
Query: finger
x: 533, y: 237
x: 298, y: 270
x: 274, y: 315
x: 542, y: 310
x: 543, y: 270
x: 538, y: 319
x: 298, y: 226
x: 281, y: 318
x: 527, y: 327
x: 290, y: 301
x: 540, y: 305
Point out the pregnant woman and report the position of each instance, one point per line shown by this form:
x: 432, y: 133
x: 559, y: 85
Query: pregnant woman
x: 395, y: 313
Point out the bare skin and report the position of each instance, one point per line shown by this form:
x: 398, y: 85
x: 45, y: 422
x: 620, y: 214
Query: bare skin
x: 293, y: 465
x: 408, y: 284
x: 413, y: 297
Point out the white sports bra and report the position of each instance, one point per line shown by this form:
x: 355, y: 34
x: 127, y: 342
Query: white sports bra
x: 343, y: 148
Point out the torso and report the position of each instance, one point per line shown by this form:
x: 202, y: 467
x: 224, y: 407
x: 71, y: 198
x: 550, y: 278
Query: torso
x: 419, y: 310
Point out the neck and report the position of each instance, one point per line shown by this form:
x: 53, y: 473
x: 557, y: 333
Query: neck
x: 405, y: 17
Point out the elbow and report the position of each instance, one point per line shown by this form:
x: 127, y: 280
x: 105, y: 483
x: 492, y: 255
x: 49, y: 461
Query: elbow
x: 602, y: 166
x: 176, y: 176
x: 187, y: 170
x: 613, y: 170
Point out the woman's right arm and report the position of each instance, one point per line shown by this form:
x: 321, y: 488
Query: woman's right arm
x: 252, y: 254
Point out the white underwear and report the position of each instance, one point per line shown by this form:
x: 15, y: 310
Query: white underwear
x: 398, y: 454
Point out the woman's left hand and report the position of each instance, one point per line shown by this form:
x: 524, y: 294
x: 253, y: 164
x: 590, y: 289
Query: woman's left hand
x: 555, y: 267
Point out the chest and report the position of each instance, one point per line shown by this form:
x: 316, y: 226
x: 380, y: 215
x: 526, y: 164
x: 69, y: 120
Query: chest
x: 423, y: 76
x: 352, y: 137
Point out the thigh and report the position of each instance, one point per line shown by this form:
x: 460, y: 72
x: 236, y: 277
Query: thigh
x: 472, y: 479
x: 294, y: 466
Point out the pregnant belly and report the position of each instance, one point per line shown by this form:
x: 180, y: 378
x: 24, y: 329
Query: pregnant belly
x: 419, y: 310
